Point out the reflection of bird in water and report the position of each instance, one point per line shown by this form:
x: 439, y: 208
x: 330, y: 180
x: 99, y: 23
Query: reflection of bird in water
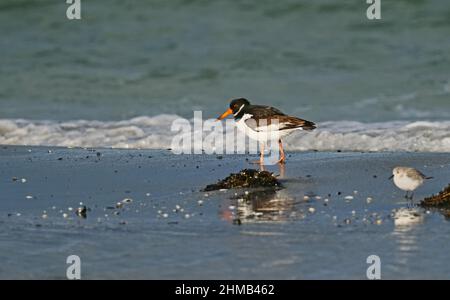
x: 266, y: 206
x: 408, y: 179
x: 406, y: 221
x: 408, y: 217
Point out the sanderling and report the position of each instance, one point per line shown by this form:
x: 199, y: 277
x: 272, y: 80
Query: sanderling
x: 408, y: 179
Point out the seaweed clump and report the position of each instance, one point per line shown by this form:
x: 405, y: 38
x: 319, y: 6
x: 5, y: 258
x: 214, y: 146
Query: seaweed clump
x: 441, y: 200
x: 246, y: 178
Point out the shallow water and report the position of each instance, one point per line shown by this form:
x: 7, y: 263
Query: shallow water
x: 322, y: 60
x: 281, y: 235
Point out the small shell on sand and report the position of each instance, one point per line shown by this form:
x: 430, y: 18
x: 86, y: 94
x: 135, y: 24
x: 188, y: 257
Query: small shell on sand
x: 311, y: 210
x: 349, y: 198
x: 124, y: 201
x: 127, y: 200
x: 29, y: 197
x: 369, y: 199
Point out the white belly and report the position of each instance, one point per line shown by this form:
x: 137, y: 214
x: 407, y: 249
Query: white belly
x: 265, y: 133
x: 406, y: 183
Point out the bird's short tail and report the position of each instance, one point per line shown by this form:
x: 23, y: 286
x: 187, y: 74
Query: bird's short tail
x: 308, y: 125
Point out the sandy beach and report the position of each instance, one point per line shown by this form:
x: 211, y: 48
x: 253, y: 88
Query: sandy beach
x: 146, y: 216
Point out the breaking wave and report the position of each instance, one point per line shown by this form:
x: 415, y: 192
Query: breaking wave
x: 155, y: 133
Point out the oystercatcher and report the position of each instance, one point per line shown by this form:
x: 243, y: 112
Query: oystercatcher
x: 263, y: 123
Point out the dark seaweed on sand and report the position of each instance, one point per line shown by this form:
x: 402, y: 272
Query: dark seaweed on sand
x: 441, y: 200
x: 246, y: 178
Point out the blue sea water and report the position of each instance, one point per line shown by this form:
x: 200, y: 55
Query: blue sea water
x: 320, y: 60
x: 323, y: 59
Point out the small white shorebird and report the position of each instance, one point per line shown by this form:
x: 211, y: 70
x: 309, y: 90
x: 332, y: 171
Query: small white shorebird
x: 408, y: 179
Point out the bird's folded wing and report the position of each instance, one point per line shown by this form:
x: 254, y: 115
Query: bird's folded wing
x: 278, y: 122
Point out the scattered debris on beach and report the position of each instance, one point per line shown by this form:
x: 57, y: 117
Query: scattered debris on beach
x: 441, y: 200
x: 124, y: 201
x: 82, y: 212
x: 246, y: 178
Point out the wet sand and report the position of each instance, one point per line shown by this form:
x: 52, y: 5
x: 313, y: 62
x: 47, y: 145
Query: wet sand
x: 334, y: 211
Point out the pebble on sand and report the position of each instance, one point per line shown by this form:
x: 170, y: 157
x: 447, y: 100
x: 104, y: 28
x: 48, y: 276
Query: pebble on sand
x: 127, y: 200
x: 311, y: 210
x: 81, y: 212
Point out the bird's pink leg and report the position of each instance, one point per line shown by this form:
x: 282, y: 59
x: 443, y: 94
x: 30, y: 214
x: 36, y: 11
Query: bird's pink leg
x: 282, y: 159
x: 261, y: 157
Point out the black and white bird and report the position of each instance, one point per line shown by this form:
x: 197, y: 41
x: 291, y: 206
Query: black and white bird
x: 263, y: 123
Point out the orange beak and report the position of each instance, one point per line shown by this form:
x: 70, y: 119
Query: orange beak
x: 225, y: 114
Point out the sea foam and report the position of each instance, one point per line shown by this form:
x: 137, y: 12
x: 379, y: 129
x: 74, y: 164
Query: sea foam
x: 155, y: 133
